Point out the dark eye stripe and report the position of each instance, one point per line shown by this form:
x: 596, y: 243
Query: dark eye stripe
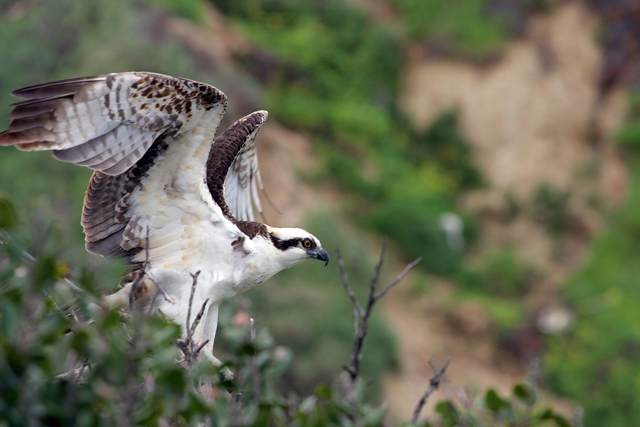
x: 283, y: 245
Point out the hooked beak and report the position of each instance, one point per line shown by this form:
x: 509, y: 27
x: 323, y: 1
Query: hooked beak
x: 322, y: 255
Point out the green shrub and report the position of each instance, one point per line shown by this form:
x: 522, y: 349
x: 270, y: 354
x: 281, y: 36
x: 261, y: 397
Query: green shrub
x: 417, y: 231
x: 189, y: 9
x: 628, y: 135
x: 466, y: 28
x: 550, y: 208
x: 499, y: 273
x: 597, y: 362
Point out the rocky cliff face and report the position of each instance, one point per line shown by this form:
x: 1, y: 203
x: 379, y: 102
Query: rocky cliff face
x: 536, y: 118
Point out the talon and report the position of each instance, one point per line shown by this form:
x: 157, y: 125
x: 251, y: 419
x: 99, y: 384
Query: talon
x: 225, y: 373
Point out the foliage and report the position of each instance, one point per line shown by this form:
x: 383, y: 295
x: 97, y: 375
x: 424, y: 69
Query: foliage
x: 522, y: 408
x: 64, y: 360
x: 550, y: 208
x: 498, y: 272
x: 598, y: 361
x: 442, y: 142
x: 338, y: 76
x: 604, y: 368
x: 189, y: 9
x: 628, y: 136
x: 467, y: 28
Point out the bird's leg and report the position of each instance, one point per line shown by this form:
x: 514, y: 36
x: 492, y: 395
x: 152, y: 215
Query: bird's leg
x: 119, y: 299
x: 209, y: 331
x: 225, y: 373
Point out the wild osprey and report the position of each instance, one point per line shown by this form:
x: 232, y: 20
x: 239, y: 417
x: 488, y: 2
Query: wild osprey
x: 166, y: 194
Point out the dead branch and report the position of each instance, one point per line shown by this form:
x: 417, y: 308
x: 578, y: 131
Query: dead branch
x: 190, y: 349
x: 434, y: 383
x: 361, y: 316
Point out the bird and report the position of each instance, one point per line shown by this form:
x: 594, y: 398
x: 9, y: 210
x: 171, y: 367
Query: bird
x: 167, y: 195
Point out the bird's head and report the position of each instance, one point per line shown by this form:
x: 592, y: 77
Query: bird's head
x: 297, y: 245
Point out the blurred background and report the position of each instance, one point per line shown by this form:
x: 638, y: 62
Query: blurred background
x: 497, y: 139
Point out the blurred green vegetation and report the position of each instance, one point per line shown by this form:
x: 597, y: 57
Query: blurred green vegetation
x: 337, y: 75
x: 597, y: 363
x: 550, y: 208
x: 192, y: 10
x: 499, y: 272
x: 466, y: 28
x: 66, y: 361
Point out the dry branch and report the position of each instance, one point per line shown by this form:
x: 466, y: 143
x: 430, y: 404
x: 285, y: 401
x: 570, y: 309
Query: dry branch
x: 361, y: 315
x: 190, y: 349
x: 434, y: 383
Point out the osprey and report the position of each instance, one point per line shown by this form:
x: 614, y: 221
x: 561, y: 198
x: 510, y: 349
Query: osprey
x: 166, y: 193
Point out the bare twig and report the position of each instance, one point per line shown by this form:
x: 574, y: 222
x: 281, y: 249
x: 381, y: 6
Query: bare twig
x: 434, y: 383
x: 202, y: 346
x: 160, y: 291
x: 361, y: 316
x: 194, y: 276
x: 347, y: 288
x: 188, y: 346
x: 404, y: 272
x: 74, y: 375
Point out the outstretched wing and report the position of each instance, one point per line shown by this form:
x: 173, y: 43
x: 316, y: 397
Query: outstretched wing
x: 146, y: 136
x: 107, y: 123
x: 233, y: 176
x: 243, y: 179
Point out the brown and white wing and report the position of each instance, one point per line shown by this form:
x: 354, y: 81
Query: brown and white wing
x: 107, y: 123
x: 123, y: 126
x: 243, y: 179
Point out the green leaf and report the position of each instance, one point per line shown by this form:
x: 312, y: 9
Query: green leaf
x: 374, y: 416
x: 8, y: 215
x: 323, y: 391
x: 493, y: 401
x: 448, y: 413
x: 560, y: 421
x: 526, y: 393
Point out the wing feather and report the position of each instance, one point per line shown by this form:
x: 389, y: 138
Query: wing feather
x: 123, y: 126
x: 240, y: 172
x: 120, y: 125
x: 83, y: 118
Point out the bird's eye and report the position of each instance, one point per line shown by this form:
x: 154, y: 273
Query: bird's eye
x: 307, y: 243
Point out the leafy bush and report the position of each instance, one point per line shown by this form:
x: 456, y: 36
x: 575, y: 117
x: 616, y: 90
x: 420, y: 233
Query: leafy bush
x: 597, y: 362
x: 190, y: 9
x: 66, y: 361
x: 499, y: 272
x: 628, y: 136
x: 443, y: 143
x: 467, y: 28
x: 550, y: 208
x: 338, y: 77
x: 416, y: 228
x: 491, y: 409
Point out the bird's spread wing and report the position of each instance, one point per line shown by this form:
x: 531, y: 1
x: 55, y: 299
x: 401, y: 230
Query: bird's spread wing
x: 243, y: 176
x: 108, y: 123
x: 146, y: 136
